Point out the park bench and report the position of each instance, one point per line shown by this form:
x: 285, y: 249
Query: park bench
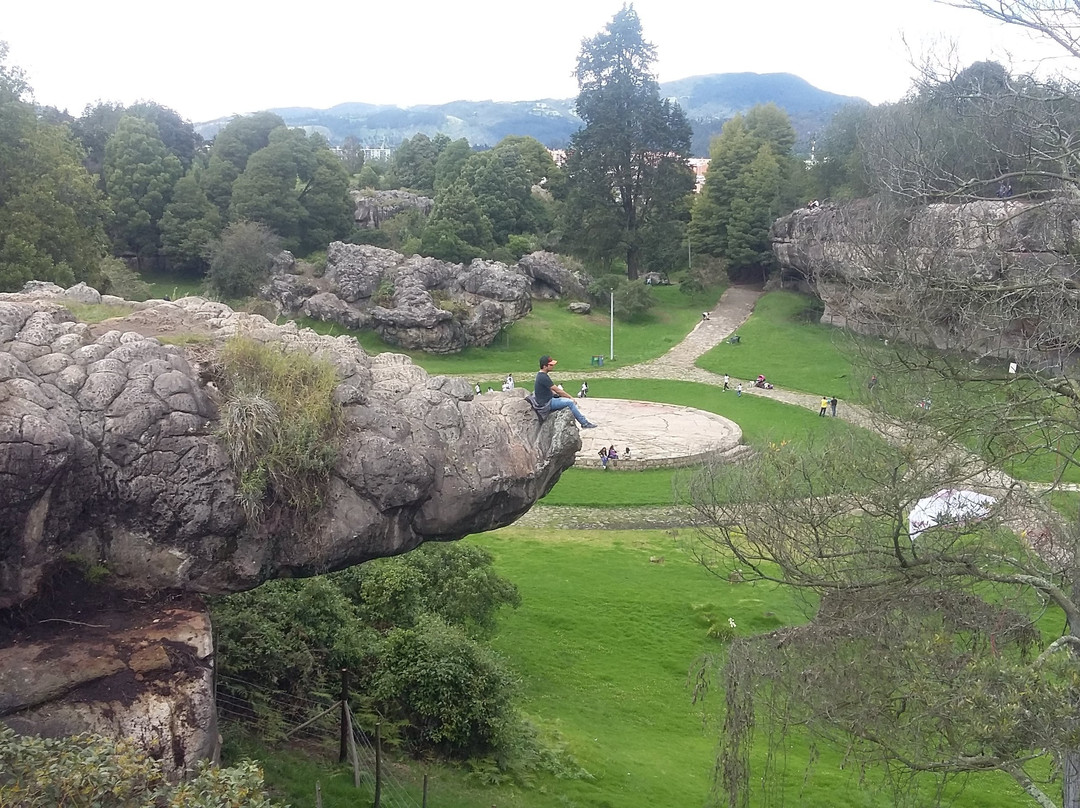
x: 734, y: 339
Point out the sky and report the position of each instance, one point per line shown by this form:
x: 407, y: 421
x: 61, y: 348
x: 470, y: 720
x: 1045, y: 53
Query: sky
x: 213, y: 59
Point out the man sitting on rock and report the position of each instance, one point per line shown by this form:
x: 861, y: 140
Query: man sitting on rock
x: 545, y: 392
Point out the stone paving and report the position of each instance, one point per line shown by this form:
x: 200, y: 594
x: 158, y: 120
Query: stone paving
x: 660, y: 435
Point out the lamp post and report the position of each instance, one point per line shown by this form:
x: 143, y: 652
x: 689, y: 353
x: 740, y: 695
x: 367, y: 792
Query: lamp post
x: 611, y: 351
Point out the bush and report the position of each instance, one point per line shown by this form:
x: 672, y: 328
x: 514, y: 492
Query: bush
x: 294, y: 637
x: 120, y: 280
x: 241, y: 259
x: 454, y: 692
x: 90, y: 771
x: 633, y: 301
x: 280, y: 425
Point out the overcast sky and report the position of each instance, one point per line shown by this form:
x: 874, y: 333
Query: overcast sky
x: 211, y: 59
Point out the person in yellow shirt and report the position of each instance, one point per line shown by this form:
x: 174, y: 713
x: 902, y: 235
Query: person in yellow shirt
x: 824, y: 405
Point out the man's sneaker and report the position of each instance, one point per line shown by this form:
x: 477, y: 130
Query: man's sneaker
x: 589, y: 425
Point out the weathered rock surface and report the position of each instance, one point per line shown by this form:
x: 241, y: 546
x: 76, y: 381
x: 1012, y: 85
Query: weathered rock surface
x: 375, y: 207
x: 417, y: 303
x: 843, y: 254
x: 551, y: 278
x: 109, y: 453
x: 144, y: 673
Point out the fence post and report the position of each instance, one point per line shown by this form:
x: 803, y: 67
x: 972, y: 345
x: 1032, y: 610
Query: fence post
x: 424, y: 803
x: 318, y: 794
x: 352, y: 751
x: 343, y: 746
x: 378, y: 764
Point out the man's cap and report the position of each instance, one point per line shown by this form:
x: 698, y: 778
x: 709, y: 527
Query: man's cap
x: 547, y: 360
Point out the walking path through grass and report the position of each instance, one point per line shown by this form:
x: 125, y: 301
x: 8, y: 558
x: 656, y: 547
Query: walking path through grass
x: 730, y: 313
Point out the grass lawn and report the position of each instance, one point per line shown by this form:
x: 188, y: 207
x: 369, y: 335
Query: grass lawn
x: 174, y: 286
x: 762, y: 421
x: 603, y: 643
x: 573, y: 339
x: 784, y: 340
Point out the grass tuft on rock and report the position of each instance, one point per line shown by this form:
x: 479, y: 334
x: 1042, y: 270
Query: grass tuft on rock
x: 280, y: 425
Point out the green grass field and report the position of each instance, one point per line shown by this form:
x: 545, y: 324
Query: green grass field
x: 784, y: 341
x: 603, y: 643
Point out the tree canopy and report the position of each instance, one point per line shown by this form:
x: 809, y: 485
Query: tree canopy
x: 627, y: 166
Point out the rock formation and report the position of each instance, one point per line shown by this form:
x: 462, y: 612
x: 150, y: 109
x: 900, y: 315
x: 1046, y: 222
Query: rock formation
x: 110, y: 459
x: 417, y: 303
x: 375, y: 207
x: 871, y: 266
x: 551, y: 278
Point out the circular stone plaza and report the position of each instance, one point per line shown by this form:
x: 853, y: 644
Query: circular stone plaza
x: 659, y: 435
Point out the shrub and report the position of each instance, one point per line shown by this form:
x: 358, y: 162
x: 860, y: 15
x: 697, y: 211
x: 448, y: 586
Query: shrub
x: 454, y: 692
x: 384, y: 295
x: 90, y: 771
x: 240, y: 260
x: 120, y: 280
x: 280, y: 425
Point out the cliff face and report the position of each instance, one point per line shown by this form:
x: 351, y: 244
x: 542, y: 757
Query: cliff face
x: 110, y: 459
x: 933, y: 274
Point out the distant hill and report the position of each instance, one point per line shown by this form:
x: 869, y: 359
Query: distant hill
x: 708, y: 101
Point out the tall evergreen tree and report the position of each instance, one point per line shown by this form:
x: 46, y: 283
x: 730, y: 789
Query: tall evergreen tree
x: 628, y: 165
x: 190, y: 223
x: 752, y: 179
x: 139, y: 174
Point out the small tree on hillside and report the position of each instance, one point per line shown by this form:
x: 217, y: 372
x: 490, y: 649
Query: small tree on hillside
x: 240, y: 260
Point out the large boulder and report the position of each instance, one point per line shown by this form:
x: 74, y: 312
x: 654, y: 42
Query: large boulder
x: 375, y: 207
x: 550, y: 277
x: 419, y: 303
x: 111, y: 458
x: 849, y: 255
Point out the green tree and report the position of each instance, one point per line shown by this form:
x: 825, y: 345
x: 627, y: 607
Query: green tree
x: 139, y: 174
x: 753, y: 208
x: 328, y: 208
x: 298, y: 188
x: 752, y: 178
x: 241, y: 138
x: 367, y: 178
x: 189, y: 224
x: 240, y: 260
x: 628, y: 165
x: 414, y: 161
x: 51, y: 214
x: 458, y: 230
x: 449, y: 164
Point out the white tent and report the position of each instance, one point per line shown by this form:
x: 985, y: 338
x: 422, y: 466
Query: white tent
x: 947, y: 506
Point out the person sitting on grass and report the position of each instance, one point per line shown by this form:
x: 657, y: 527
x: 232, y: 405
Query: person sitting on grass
x: 547, y: 392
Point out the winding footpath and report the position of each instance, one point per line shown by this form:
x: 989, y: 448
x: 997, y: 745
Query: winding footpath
x: 732, y: 310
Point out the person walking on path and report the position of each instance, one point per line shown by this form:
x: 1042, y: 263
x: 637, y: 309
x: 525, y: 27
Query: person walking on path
x: 547, y: 392
x: 738, y: 389
x: 824, y: 406
x: 726, y: 380
x: 832, y: 406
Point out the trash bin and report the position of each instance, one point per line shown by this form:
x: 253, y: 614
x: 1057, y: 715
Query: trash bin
x: 598, y: 361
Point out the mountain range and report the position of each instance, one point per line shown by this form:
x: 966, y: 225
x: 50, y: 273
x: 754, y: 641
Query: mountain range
x: 708, y: 101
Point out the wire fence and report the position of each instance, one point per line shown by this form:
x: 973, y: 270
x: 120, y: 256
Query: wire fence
x: 277, y: 716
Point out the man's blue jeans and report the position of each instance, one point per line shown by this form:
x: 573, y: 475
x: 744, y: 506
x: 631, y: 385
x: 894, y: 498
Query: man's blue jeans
x: 562, y: 403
